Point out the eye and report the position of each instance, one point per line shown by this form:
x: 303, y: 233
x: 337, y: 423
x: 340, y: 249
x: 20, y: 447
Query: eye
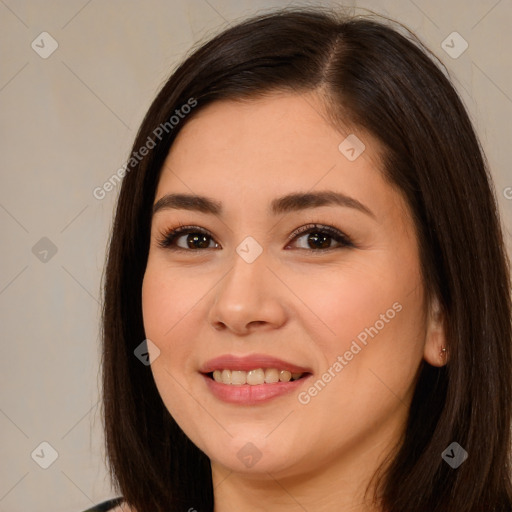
x: 191, y: 238
x: 320, y: 237
x: 194, y: 238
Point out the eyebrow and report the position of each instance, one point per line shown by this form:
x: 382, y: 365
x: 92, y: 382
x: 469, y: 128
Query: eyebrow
x: 289, y: 203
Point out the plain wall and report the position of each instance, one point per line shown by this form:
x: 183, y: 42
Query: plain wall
x: 67, y: 124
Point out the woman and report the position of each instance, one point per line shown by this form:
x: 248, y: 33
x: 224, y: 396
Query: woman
x: 307, y: 296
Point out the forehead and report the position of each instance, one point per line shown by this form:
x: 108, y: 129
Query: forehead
x: 248, y: 152
x: 281, y: 120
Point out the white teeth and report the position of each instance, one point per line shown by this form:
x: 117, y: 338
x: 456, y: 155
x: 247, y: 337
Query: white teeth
x: 254, y: 377
x: 271, y: 376
x: 238, y: 378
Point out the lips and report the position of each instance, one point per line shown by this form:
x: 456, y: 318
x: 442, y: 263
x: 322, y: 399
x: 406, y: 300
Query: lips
x: 248, y: 363
x: 252, y: 393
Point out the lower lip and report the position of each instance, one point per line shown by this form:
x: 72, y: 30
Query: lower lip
x: 251, y: 395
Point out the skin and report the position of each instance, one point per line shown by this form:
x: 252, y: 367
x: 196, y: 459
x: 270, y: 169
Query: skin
x: 301, y: 306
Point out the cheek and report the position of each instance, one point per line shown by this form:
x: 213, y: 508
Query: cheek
x: 166, y: 300
x: 371, y: 315
x: 152, y: 306
x: 173, y: 317
x: 342, y: 303
x: 374, y: 326
x: 164, y: 310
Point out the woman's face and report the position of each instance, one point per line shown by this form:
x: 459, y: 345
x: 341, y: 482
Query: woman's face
x: 244, y: 295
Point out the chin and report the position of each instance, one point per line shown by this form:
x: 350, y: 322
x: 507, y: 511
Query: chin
x: 255, y: 454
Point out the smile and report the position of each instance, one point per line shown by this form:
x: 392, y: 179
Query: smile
x: 254, y: 377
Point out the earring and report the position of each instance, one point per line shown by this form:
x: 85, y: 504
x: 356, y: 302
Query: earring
x: 443, y: 352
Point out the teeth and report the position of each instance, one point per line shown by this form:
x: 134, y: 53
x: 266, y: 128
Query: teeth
x: 271, y: 376
x: 238, y: 377
x: 254, y: 377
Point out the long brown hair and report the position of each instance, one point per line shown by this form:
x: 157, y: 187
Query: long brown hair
x: 387, y: 83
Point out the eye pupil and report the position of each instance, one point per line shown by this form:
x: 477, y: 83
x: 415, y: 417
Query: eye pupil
x: 200, y: 238
x: 321, y: 239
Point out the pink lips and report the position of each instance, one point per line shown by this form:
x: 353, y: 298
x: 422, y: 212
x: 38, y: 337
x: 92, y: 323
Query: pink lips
x: 247, y: 394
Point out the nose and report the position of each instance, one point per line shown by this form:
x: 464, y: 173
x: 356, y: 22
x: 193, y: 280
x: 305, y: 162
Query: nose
x: 248, y: 299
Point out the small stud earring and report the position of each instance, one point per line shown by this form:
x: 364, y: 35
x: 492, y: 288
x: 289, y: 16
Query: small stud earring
x: 443, y: 352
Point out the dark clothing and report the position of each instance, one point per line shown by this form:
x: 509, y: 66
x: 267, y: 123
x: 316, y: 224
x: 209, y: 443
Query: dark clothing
x: 106, y: 505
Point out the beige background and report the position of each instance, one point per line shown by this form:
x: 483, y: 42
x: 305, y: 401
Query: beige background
x: 66, y: 126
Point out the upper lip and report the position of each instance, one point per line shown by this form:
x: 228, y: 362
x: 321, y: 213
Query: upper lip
x: 251, y: 362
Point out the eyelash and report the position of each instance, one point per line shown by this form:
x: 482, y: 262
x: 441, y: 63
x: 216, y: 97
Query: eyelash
x: 168, y: 237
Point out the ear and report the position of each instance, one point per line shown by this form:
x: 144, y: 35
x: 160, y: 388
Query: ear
x: 435, y: 337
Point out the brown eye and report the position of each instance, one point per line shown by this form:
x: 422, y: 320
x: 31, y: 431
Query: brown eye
x: 187, y: 238
x: 319, y: 238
